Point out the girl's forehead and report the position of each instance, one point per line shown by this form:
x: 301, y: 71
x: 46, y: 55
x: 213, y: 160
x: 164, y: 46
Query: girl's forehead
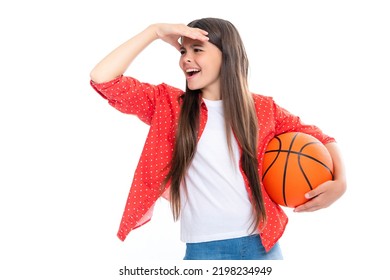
x: 190, y: 42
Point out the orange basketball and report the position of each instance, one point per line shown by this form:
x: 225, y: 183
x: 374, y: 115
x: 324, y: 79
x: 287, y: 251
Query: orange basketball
x: 295, y: 163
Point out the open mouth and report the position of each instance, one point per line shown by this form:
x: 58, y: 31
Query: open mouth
x: 192, y: 72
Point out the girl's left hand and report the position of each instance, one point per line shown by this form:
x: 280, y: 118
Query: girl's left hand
x: 171, y: 33
x: 322, y: 196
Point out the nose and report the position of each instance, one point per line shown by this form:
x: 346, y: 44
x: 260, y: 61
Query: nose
x: 187, y: 58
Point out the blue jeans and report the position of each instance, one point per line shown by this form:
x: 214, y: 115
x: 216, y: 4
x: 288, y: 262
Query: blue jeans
x: 242, y: 248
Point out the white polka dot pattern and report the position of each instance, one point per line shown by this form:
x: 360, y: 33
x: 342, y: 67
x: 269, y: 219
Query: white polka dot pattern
x: 158, y: 106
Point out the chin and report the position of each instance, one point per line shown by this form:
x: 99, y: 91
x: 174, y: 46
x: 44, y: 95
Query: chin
x: 193, y: 87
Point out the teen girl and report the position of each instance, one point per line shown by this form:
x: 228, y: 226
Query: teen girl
x: 205, y: 146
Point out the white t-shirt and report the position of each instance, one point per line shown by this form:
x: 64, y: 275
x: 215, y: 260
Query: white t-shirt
x: 216, y: 204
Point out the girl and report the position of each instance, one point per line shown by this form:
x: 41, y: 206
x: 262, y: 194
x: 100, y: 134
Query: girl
x: 205, y: 146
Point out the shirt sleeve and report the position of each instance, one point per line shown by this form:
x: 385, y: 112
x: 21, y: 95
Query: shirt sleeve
x: 130, y: 96
x: 285, y: 122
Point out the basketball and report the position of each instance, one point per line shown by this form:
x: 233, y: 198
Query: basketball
x: 295, y: 163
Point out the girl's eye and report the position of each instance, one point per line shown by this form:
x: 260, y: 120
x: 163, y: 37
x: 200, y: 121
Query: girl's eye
x: 197, y: 50
x: 182, y: 51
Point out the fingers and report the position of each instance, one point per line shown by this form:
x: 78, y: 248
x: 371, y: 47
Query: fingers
x: 176, y: 44
x: 190, y: 32
x: 310, y: 206
x: 165, y: 31
x: 196, y: 34
x: 172, y: 33
x: 316, y: 201
x: 313, y: 193
x: 322, y: 196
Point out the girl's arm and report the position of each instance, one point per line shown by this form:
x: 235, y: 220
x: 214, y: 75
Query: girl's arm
x: 327, y: 193
x: 116, y: 62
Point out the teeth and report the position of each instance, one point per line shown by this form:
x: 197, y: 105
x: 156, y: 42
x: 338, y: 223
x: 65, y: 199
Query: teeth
x: 192, y: 70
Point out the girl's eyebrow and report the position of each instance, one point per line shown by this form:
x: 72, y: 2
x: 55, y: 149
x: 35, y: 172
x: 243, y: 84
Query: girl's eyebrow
x: 195, y: 45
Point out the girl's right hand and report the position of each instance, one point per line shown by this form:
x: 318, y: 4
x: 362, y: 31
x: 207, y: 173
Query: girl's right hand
x: 171, y: 33
x: 116, y: 62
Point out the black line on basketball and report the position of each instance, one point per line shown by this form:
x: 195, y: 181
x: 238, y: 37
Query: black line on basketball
x: 285, y: 169
x: 300, y: 165
x: 318, y: 161
x: 277, y: 155
x: 303, y: 155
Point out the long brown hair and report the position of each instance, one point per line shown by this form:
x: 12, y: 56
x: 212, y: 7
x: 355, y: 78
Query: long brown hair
x: 239, y: 113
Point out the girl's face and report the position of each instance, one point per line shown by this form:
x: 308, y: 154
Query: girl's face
x: 201, y: 64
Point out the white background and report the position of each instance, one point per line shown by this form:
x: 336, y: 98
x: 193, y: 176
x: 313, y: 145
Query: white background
x: 67, y: 158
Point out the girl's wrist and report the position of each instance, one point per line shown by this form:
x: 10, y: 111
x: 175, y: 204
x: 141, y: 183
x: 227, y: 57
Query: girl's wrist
x: 153, y: 31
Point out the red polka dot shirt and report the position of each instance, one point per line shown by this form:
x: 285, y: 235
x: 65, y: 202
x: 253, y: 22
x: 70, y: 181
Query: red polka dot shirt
x: 158, y: 106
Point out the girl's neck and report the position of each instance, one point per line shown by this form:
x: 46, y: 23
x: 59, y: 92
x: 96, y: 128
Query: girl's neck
x: 211, y: 95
